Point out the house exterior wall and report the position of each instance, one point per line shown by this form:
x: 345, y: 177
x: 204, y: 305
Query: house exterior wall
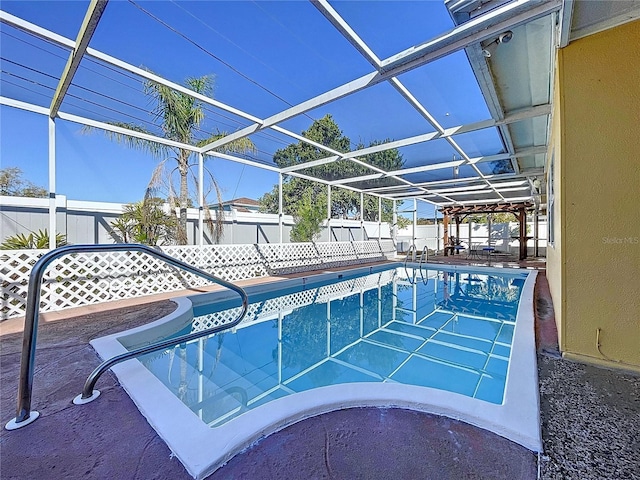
x: 555, y: 270
x: 595, y: 273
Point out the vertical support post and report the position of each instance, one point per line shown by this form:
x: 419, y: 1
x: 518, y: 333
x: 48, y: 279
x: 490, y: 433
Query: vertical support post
x: 489, y: 221
x: 362, y: 216
x: 280, y: 203
x: 328, y: 328
x: 201, y: 199
x: 522, y: 217
x: 53, y: 227
x: 445, y: 233
x: 379, y: 218
x: 379, y: 306
x: 280, y: 316
x: 435, y: 224
x: 394, y: 298
x: 361, y: 313
x: 536, y: 233
x: 329, y: 211
x: 415, y: 224
x: 394, y: 232
x: 414, y: 300
x: 457, y: 219
x: 200, y: 375
x: 437, y: 232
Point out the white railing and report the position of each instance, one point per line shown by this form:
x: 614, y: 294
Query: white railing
x: 88, y: 279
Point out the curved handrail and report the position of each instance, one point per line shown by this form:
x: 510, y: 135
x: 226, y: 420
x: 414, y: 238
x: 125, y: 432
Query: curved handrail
x: 412, y: 249
x: 24, y: 415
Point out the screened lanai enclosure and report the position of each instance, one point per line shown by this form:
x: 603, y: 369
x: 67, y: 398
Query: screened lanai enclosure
x: 446, y: 104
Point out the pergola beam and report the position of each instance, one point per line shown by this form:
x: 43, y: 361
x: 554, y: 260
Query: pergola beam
x: 89, y: 25
x: 487, y: 203
x: 512, y: 207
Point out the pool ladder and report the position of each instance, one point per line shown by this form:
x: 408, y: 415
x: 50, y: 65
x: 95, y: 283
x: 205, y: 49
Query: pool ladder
x: 413, y: 252
x: 424, y: 258
x: 24, y: 414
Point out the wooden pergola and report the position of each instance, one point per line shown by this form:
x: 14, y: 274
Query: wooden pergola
x: 459, y: 212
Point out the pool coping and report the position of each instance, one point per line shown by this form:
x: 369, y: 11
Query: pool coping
x: 203, y: 449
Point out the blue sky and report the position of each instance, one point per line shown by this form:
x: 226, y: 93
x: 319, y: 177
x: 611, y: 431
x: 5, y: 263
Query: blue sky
x: 264, y: 56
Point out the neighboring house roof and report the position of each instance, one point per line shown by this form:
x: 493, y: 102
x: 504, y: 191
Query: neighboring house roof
x: 242, y: 204
x: 242, y: 201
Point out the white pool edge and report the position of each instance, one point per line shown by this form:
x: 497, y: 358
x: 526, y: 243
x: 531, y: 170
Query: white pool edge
x: 202, y: 449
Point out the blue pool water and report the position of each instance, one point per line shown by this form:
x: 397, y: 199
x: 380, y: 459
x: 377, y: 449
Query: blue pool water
x: 444, y: 329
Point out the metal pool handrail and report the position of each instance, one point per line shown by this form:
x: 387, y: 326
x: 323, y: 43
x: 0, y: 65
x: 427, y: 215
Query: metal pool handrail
x: 412, y: 249
x: 24, y: 414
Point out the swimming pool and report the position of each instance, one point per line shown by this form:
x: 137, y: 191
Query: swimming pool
x: 444, y: 340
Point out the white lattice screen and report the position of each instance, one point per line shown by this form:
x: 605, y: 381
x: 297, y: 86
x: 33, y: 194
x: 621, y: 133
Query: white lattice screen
x: 271, y: 307
x: 91, y: 278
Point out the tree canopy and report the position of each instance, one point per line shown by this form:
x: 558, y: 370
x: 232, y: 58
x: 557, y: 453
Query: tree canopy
x: 344, y: 203
x: 13, y: 185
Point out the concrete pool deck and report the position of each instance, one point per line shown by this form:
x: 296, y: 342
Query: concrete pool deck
x: 590, y: 419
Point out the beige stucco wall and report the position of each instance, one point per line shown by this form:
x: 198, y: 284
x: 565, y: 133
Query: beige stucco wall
x: 594, y: 270
x: 554, y: 248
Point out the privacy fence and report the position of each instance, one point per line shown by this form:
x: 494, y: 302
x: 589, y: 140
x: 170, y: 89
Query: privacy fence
x: 91, y: 278
x: 90, y: 222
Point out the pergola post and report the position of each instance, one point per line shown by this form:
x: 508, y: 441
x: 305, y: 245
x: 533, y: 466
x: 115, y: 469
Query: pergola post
x: 201, y: 200
x: 280, y: 201
x: 329, y: 211
x: 522, y: 217
x: 53, y: 227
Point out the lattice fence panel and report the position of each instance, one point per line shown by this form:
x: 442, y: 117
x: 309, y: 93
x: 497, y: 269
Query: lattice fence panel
x: 332, y: 291
x: 388, y: 248
x: 230, y: 262
x: 369, y: 250
x: 290, y: 257
x: 256, y: 311
x: 15, y: 267
x: 337, y: 254
x: 90, y: 278
x: 289, y: 302
x: 223, y: 317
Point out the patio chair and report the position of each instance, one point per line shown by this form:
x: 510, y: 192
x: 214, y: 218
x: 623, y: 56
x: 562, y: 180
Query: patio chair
x: 475, y: 250
x: 454, y: 246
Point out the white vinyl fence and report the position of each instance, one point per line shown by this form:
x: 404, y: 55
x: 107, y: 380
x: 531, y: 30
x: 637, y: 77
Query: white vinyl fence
x: 90, y: 223
x: 503, y: 236
x: 91, y: 278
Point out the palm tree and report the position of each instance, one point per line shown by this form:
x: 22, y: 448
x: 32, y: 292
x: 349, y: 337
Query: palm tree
x: 180, y: 116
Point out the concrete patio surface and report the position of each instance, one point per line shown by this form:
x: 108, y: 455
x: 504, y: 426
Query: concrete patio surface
x: 590, y: 423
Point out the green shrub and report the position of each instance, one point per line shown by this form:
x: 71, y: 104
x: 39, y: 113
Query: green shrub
x: 35, y: 240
